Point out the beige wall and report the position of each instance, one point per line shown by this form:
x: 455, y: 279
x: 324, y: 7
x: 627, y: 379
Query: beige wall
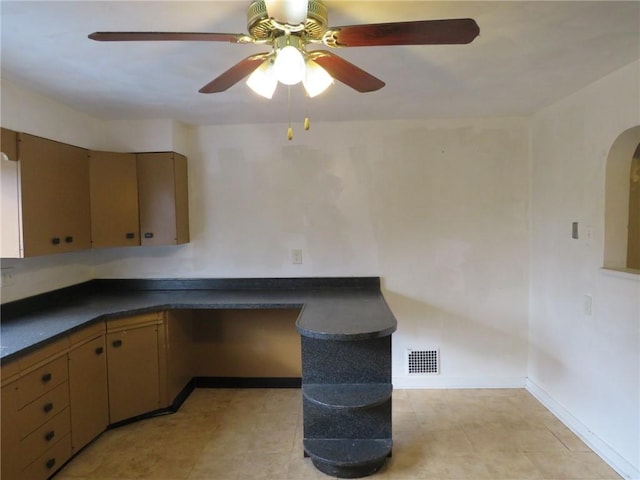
x: 438, y: 209
x: 585, y: 366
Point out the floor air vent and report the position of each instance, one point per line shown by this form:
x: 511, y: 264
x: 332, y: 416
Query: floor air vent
x: 423, y: 362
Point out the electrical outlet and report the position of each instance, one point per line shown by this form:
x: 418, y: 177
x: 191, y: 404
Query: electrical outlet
x: 7, y: 277
x: 588, y: 235
x: 296, y: 256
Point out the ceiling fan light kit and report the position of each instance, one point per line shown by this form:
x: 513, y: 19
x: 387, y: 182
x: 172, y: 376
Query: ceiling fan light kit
x: 316, y: 79
x: 288, y: 26
x: 263, y: 80
x: 289, y: 64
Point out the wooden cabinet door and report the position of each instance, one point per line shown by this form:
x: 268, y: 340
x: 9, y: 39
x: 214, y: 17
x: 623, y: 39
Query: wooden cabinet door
x: 88, y: 396
x: 114, y: 199
x: 133, y: 372
x: 55, y: 196
x: 162, y: 198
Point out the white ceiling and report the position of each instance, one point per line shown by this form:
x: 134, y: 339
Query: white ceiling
x: 528, y: 55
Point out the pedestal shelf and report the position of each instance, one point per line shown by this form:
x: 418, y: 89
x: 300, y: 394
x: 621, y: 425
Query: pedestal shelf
x: 348, y: 458
x: 347, y: 396
x: 346, y: 404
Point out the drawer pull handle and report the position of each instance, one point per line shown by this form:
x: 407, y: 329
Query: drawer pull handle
x: 148, y: 235
x: 49, y: 435
x: 50, y: 463
x: 117, y: 343
x: 131, y: 235
x: 47, y: 407
x: 55, y: 240
x: 46, y: 377
x: 99, y: 350
x: 68, y: 239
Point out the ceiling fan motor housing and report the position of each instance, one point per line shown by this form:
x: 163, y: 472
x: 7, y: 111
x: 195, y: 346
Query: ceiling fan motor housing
x: 261, y: 28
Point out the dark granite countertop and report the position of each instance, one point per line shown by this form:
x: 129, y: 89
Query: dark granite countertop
x: 331, y: 308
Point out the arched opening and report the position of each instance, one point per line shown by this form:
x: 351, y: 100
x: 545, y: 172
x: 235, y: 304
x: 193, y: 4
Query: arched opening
x: 622, y: 203
x: 633, y: 243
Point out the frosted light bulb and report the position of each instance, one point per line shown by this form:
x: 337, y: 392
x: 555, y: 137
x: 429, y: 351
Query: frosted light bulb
x: 289, y: 66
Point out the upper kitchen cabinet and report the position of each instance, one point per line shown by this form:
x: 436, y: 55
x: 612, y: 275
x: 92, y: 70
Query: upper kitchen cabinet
x: 54, y: 180
x: 163, y: 198
x: 114, y: 199
x: 49, y: 197
x: 10, y: 191
x: 9, y: 143
x: 59, y: 198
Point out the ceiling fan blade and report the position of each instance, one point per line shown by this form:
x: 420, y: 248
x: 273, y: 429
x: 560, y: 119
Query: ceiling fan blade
x: 346, y: 72
x: 155, y: 36
x: 423, y: 32
x: 234, y: 74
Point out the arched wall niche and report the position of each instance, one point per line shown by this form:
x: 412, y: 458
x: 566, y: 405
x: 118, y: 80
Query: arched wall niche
x: 617, y: 199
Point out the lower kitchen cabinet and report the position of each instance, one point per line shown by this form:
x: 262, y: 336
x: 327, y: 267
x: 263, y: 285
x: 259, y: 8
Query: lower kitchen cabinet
x: 35, y: 414
x: 58, y: 398
x: 134, y: 347
x: 50, y: 461
x: 88, y: 394
x: 10, y: 431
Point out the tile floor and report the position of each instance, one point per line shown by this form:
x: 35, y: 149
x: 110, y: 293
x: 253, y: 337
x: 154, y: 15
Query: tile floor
x: 224, y: 434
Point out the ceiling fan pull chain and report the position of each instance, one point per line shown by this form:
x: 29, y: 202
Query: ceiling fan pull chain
x: 306, y: 108
x: 289, y: 130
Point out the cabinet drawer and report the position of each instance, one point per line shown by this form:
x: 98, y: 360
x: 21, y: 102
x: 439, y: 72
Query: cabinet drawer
x: 50, y: 461
x: 137, y: 320
x: 42, y: 380
x: 9, y: 372
x: 42, y: 354
x: 9, y: 433
x: 87, y: 333
x: 39, y: 441
x: 43, y: 409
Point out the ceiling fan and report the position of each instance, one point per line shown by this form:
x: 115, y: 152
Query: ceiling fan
x: 288, y: 26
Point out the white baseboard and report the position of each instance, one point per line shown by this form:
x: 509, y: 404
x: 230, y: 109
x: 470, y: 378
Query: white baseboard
x: 438, y: 381
x: 604, y: 451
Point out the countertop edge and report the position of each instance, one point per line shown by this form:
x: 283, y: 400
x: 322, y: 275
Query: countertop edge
x: 353, y: 293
